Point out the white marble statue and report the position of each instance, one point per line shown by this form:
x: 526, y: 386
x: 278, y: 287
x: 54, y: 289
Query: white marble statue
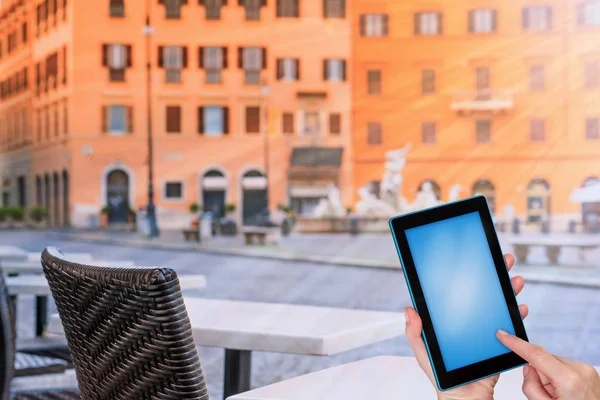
x: 454, y: 193
x: 370, y: 205
x: 391, y: 183
x: 426, y: 198
x: 331, y: 206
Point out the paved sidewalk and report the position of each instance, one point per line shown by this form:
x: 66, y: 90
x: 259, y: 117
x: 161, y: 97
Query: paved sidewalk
x: 365, y: 250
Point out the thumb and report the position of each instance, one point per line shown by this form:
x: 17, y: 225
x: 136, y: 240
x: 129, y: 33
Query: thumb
x: 532, y: 385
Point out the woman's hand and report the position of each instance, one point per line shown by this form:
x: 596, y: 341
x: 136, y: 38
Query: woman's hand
x: 552, y: 377
x: 480, y: 390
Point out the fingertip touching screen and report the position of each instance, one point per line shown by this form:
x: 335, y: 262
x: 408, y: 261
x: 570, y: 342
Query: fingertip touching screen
x: 461, y: 288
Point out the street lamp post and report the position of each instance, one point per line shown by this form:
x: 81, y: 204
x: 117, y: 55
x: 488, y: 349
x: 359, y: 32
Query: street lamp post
x: 151, y: 209
x: 266, y: 90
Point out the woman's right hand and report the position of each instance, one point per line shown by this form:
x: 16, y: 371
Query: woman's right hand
x: 551, y: 377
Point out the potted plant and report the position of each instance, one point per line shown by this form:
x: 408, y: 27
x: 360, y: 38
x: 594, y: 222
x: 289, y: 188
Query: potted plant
x: 38, y: 215
x: 3, y: 217
x: 104, y: 217
x: 229, y: 208
x: 348, y: 210
x: 195, y: 209
x: 17, y: 215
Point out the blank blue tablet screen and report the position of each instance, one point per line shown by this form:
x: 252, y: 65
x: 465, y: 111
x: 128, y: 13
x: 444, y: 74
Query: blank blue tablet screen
x: 461, y: 289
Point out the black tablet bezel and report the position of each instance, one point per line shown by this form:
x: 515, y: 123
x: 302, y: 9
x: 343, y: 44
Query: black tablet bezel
x: 449, y: 379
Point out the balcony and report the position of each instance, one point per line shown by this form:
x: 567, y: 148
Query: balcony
x: 494, y: 100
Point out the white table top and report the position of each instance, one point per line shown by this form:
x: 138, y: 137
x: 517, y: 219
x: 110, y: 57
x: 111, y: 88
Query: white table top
x: 288, y: 328
x: 37, y: 284
x: 381, y: 378
x: 12, y: 253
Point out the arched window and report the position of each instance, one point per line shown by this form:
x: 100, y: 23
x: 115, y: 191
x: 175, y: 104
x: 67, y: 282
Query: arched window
x: 486, y: 188
x: 214, y: 192
x: 538, y: 200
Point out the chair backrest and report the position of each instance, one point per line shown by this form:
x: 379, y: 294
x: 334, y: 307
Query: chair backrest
x: 128, y: 330
x: 7, y: 353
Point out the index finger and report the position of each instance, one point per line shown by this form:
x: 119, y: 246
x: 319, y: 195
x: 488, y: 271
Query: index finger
x: 535, y: 355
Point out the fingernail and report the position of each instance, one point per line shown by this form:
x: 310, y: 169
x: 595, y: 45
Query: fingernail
x: 502, y: 333
x: 525, y: 370
x: 406, y: 316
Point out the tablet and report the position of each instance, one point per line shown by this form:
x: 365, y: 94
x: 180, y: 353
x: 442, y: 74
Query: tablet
x: 459, y: 284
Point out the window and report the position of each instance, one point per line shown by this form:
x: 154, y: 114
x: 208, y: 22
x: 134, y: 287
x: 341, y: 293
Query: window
x: 65, y: 117
x: 428, y: 132
x: 24, y: 31
x: 374, y: 82
x: 288, y: 8
x: 173, y: 190
x: 334, y: 70
x: 588, y: 13
x: 373, y: 25
x: 427, y: 81
x: 26, y: 124
x: 482, y: 21
x: 252, y: 119
x: 374, y: 133
x: 116, y: 119
x: 39, y: 126
x: 537, y: 130
x: 172, y: 9
x: 213, y: 120
x: 65, y: 62
x: 288, y: 123
x: 335, y: 123
x: 56, y: 120
x: 483, y: 128
x: 312, y: 123
x: 592, y: 128
x: 212, y: 9
x: 252, y: 9
x: 117, y: 57
x: 173, y: 59
x: 47, y: 124
x: 213, y: 60
x: 482, y: 83
x: 116, y: 8
x: 173, y: 119
x: 537, y: 80
x: 592, y: 75
x: 252, y: 60
x: 288, y: 69
x: 334, y: 8
x: 537, y: 18
x: 428, y: 23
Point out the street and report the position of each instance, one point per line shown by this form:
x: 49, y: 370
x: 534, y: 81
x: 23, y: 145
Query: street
x: 564, y: 319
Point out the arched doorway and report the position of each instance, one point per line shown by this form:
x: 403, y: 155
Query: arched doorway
x: 486, y: 188
x: 56, y: 199
x: 213, y: 192
x: 254, y: 196
x: 66, y: 207
x: 434, y: 186
x: 117, y: 196
x: 538, y: 200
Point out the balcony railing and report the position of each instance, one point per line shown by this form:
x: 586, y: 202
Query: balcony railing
x: 483, y: 100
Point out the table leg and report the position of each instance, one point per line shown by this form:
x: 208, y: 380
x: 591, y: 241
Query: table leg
x: 41, y: 315
x: 552, y: 252
x: 238, y: 364
x: 521, y: 252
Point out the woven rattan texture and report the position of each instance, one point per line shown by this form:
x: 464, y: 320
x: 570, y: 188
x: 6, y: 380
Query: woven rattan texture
x: 127, y: 329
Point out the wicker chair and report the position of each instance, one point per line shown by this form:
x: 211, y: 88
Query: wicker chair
x: 127, y: 329
x: 6, y: 342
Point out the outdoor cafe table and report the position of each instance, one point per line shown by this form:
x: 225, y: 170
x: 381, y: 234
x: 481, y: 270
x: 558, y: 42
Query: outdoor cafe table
x: 381, y: 378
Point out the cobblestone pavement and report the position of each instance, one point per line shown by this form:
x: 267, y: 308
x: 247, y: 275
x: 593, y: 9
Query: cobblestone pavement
x: 564, y: 319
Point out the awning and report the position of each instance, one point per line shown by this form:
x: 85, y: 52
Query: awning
x: 588, y: 194
x: 312, y: 165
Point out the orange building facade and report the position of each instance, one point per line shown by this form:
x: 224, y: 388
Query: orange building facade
x: 236, y: 88
x: 501, y: 98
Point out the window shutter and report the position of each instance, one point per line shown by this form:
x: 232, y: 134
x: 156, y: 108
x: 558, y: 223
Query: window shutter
x: 224, y: 57
x: 104, y: 119
x: 161, y: 52
x: 386, y: 24
x: 184, y: 56
x: 525, y: 13
x: 264, y: 58
x: 297, y: 62
x: 201, y: 2
x: 417, y: 23
x: 549, y: 16
x: 201, y: 120
x: 65, y: 65
x: 104, y: 55
x: 325, y: 70
x: 471, y: 21
x: 494, y: 20
x: 241, y: 57
x: 128, y: 50
x: 263, y: 3
x: 325, y: 14
x: 343, y: 70
x: 440, y: 19
x: 200, y: 57
x: 581, y: 14
x: 363, y: 25
x: 241, y: 2
x: 223, y: 2
x: 226, y: 120
x: 130, y: 119
x: 279, y: 73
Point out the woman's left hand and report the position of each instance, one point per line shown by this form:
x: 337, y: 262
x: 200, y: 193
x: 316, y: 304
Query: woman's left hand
x: 479, y: 390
